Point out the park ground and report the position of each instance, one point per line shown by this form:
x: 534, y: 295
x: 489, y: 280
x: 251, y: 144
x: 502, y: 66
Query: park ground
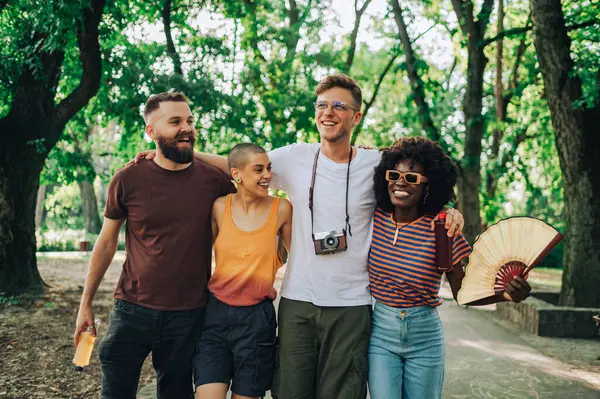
x: 486, y: 357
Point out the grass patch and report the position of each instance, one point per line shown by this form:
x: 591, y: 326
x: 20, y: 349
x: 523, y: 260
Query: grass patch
x: 546, y: 276
x: 83, y: 256
x: 550, y: 270
x: 9, y: 300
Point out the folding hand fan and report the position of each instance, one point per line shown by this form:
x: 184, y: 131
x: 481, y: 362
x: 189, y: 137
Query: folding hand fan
x: 511, y: 247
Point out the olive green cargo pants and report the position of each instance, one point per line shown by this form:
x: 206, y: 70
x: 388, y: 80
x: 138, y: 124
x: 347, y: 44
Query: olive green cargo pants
x: 322, y: 351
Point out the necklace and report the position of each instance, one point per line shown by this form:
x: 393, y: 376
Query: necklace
x: 401, y: 227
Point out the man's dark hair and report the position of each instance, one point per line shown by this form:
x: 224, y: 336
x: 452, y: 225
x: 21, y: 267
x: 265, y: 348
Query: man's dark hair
x: 240, y: 154
x: 343, y: 81
x: 439, y: 168
x: 154, y: 101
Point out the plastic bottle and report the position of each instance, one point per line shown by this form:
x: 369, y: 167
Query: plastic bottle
x: 443, y: 245
x: 83, y: 353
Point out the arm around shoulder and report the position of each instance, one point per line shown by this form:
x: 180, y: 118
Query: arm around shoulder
x: 281, y: 159
x: 218, y: 161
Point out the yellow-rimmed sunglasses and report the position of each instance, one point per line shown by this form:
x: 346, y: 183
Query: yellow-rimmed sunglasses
x: 409, y: 177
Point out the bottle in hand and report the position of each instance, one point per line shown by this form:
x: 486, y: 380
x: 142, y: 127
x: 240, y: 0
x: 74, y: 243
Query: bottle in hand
x: 83, y: 353
x: 443, y: 245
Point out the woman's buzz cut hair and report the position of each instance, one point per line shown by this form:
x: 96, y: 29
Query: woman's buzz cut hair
x: 240, y: 154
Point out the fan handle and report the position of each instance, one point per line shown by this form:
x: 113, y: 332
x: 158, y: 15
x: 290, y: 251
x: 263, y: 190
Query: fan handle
x: 507, y: 273
x: 558, y: 238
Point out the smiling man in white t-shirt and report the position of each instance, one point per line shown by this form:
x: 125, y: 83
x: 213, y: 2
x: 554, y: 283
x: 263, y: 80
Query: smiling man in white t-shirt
x: 325, y: 309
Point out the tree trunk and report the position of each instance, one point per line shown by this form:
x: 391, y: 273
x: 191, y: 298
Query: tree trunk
x: 474, y: 128
x: 474, y: 31
x: 27, y: 134
x: 102, y: 194
x: 171, y: 49
x: 39, y: 206
x: 19, y: 176
x: 577, y: 133
x: 497, y: 163
x: 416, y: 83
x: 358, y: 13
x: 90, y: 207
x: 499, y: 85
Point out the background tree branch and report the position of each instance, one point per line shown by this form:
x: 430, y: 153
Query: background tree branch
x: 483, y: 18
x: 464, y: 13
x: 499, y: 85
x: 529, y: 27
x: 296, y: 22
x: 370, y: 103
x: 91, y: 60
x: 515, y: 75
x: 171, y: 50
x: 416, y: 83
x: 358, y: 13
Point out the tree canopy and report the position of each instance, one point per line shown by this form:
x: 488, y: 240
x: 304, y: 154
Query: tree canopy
x: 75, y: 74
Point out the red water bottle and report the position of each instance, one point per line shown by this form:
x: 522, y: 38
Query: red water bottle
x: 443, y: 245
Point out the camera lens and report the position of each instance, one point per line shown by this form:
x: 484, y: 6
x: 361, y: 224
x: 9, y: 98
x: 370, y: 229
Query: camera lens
x: 331, y: 242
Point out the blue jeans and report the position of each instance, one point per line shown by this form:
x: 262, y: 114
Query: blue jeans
x: 406, y: 353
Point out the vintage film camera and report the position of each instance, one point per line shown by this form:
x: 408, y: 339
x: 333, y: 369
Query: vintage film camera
x: 329, y: 242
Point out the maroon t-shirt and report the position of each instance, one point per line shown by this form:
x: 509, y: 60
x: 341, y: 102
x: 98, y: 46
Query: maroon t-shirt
x: 168, y: 235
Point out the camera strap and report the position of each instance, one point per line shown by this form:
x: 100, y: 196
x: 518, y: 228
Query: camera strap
x: 312, y: 190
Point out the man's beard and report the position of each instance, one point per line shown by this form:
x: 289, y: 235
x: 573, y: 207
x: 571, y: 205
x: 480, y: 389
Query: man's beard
x: 171, y: 152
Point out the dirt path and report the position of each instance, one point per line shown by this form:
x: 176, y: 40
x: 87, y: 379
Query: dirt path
x: 36, y: 345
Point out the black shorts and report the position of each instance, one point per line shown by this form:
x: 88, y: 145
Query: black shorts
x: 238, y: 344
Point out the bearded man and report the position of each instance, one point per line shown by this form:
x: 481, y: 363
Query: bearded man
x: 161, y: 294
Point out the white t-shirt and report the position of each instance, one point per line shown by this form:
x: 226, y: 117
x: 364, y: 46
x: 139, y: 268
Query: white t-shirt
x: 338, y: 279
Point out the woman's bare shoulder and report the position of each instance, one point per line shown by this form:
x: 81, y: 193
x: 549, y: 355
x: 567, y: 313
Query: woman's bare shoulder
x: 219, y: 203
x: 285, y: 207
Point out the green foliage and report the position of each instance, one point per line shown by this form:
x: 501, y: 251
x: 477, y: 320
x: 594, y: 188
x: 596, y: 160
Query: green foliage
x: 585, y: 47
x: 555, y: 258
x: 9, y: 300
x: 68, y: 240
x: 26, y: 29
x: 251, y: 75
x: 57, y: 246
x: 64, y: 208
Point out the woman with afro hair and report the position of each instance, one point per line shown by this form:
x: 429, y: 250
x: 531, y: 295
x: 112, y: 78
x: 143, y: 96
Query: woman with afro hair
x: 413, y: 182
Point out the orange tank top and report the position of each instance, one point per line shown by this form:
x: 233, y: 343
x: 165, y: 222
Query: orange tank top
x: 246, y: 261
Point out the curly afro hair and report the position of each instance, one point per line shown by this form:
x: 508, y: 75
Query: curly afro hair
x: 441, y: 171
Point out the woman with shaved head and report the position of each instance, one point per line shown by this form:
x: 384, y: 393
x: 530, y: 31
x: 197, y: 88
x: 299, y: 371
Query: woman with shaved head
x: 238, y: 343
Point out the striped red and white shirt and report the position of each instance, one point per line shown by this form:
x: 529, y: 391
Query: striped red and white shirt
x: 405, y: 275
